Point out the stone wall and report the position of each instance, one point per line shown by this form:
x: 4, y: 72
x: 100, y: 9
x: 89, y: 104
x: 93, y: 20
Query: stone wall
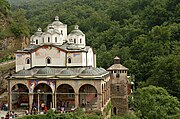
x: 119, y: 97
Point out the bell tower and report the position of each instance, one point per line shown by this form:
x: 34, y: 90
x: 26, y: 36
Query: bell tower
x: 119, y: 87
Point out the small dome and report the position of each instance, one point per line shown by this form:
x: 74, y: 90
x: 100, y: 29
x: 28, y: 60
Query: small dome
x: 67, y: 72
x: 89, y: 72
x: 38, y: 32
x: 76, y: 31
x: 56, y: 18
x: 46, y: 71
x: 26, y: 73
x: 57, y: 22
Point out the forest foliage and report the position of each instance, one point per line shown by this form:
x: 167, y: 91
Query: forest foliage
x: 155, y: 103
x: 145, y: 34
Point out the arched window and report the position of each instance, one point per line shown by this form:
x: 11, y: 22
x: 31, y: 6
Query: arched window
x: 28, y: 60
x: 114, y: 110
x: 48, y: 60
x: 69, y: 60
x: 48, y: 39
x: 36, y: 41
x: 61, y: 32
x: 117, y: 75
x: 56, y: 39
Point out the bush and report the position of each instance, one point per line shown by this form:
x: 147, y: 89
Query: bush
x: 127, y: 116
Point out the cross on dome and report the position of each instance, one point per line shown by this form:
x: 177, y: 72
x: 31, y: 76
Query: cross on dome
x: 39, y: 29
x: 56, y: 18
x: 76, y: 27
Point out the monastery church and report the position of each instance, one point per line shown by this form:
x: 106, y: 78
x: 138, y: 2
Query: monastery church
x: 58, y: 70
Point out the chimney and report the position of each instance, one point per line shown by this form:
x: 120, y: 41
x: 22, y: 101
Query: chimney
x: 116, y: 60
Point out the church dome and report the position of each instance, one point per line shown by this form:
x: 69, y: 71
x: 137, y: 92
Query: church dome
x: 89, y: 72
x: 57, y: 22
x: 76, y: 31
x: 38, y: 32
x: 47, y: 71
x: 23, y: 73
x: 67, y: 72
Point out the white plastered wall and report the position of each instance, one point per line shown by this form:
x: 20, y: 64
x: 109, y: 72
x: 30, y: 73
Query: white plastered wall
x: 62, y: 27
x: 71, y: 38
x: 57, y: 56
x: 90, y: 58
x: 21, y: 61
x: 46, y: 35
x: 82, y: 43
x: 83, y: 58
x: 59, y: 39
x: 39, y: 38
x: 76, y: 59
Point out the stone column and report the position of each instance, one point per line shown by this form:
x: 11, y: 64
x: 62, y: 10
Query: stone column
x: 10, y: 101
x: 10, y: 96
x: 55, y: 103
x: 105, y: 96
x: 102, y: 98
x: 76, y: 100
x: 30, y: 101
x: 53, y: 100
x: 99, y: 100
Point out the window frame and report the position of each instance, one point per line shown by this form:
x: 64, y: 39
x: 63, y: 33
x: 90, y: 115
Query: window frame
x: 48, y: 60
x: 28, y: 60
x: 69, y: 60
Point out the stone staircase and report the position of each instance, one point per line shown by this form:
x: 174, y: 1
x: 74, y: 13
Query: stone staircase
x: 93, y: 105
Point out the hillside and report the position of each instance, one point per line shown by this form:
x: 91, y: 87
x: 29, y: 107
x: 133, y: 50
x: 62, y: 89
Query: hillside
x: 145, y: 34
x: 13, y: 36
x: 13, y: 31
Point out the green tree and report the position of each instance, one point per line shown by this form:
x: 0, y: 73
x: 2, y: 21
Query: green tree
x: 166, y: 73
x: 4, y: 7
x: 155, y: 103
x: 19, y: 26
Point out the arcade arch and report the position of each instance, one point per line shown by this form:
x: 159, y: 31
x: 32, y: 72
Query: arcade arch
x: 20, y: 97
x: 88, y: 96
x: 65, y: 96
x: 45, y: 96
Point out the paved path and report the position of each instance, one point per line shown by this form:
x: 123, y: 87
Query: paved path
x: 7, y: 62
x: 3, y: 113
